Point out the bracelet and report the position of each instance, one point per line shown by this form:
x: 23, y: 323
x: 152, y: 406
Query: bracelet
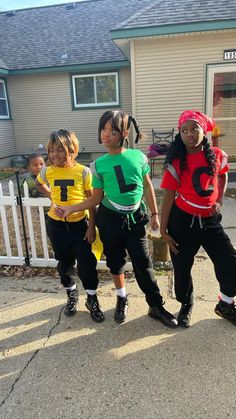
x: 154, y: 213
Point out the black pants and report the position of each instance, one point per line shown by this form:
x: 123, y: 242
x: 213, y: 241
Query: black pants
x: 68, y: 243
x: 191, y: 233
x: 119, y: 233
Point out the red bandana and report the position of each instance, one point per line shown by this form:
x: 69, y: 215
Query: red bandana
x: 206, y: 123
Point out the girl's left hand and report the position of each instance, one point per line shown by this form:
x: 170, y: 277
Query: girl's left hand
x: 90, y: 234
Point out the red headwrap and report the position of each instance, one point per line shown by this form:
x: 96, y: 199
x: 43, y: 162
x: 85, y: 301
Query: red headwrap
x: 206, y: 123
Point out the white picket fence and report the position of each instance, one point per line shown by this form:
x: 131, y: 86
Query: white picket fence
x: 28, y: 203
x: 11, y: 201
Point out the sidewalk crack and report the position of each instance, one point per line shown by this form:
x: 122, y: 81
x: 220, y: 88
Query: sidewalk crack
x: 32, y: 357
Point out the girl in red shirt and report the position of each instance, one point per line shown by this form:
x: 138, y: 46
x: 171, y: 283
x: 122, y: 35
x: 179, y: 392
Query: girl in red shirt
x: 195, y: 180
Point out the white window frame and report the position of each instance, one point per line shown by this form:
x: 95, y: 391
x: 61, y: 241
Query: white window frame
x: 95, y: 104
x: 3, y: 82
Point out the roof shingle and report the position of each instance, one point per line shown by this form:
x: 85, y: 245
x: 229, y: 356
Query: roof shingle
x: 166, y: 12
x: 57, y: 36
x: 40, y: 37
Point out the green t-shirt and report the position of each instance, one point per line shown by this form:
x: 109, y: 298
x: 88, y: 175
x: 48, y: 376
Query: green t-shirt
x: 120, y: 176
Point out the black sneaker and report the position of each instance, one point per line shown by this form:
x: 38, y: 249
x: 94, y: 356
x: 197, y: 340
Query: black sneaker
x: 70, y: 308
x: 159, y: 313
x: 184, y: 316
x: 92, y: 305
x: 227, y: 311
x: 121, y: 309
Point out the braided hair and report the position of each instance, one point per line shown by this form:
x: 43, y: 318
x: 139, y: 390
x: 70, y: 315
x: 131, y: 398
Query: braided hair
x: 177, y: 150
x: 120, y: 122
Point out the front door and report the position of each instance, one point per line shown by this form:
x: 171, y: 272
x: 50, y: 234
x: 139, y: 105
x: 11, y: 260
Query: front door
x: 221, y: 104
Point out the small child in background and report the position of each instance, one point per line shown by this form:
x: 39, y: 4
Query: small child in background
x: 72, y: 236
x: 35, y: 163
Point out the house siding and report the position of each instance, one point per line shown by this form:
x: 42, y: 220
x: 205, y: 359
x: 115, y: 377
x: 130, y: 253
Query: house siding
x: 46, y: 104
x: 7, y: 141
x: 170, y: 77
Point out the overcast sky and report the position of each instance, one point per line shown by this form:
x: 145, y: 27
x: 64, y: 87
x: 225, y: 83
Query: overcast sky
x: 23, y: 4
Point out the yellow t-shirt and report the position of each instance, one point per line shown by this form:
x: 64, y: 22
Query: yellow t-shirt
x: 68, y: 186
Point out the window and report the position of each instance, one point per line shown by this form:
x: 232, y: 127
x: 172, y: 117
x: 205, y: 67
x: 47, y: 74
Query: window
x: 4, y: 109
x: 95, y: 90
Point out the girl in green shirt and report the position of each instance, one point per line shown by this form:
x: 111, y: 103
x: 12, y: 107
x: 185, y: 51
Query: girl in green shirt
x: 120, y: 179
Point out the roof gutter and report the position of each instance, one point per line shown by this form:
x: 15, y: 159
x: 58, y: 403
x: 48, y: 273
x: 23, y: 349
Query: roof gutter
x: 4, y: 71
x: 140, y: 32
x: 74, y: 68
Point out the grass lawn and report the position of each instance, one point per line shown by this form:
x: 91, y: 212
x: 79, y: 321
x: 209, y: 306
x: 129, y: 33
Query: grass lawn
x: 5, y: 175
x: 9, y: 172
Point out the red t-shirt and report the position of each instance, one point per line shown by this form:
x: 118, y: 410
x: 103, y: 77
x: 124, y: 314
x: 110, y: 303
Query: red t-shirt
x: 197, y: 190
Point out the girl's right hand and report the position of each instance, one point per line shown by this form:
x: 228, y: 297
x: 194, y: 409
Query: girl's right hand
x: 171, y: 243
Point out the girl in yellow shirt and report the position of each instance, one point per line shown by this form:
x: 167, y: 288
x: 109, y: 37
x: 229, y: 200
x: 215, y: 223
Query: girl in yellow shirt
x: 71, y: 237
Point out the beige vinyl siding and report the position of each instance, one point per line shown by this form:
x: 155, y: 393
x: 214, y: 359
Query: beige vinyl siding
x: 170, y: 77
x: 43, y: 103
x: 125, y: 90
x: 7, y: 141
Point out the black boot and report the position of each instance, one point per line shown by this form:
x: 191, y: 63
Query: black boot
x: 159, y: 313
x: 184, y: 316
x: 70, y: 308
x: 93, y: 306
x: 227, y: 311
x: 121, y: 309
